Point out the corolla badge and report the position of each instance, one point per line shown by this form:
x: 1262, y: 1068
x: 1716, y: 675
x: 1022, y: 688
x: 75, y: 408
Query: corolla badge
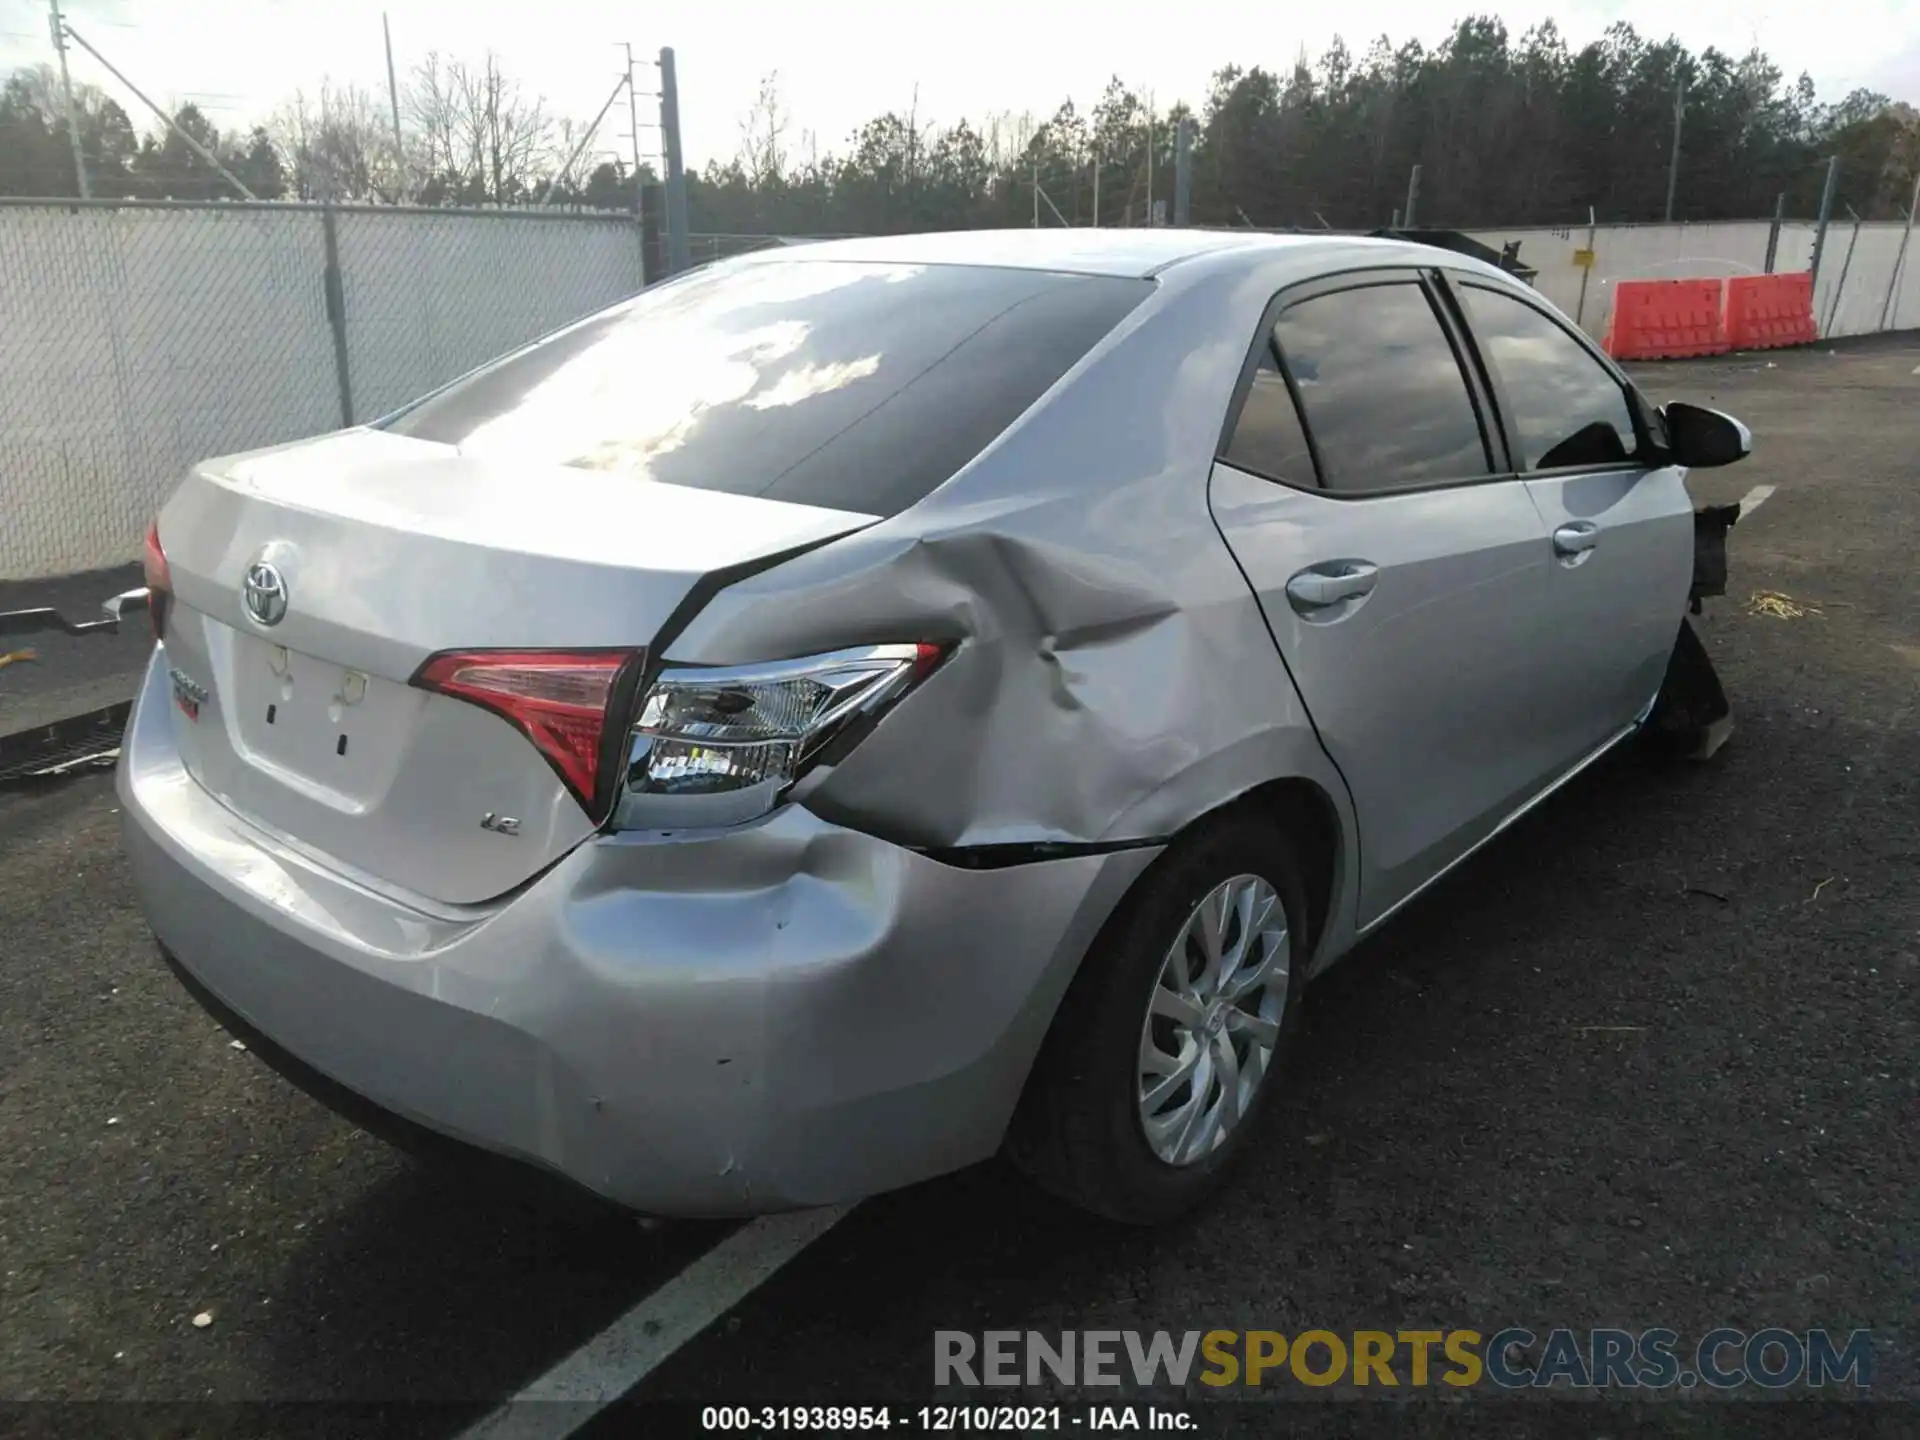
x: 264, y: 593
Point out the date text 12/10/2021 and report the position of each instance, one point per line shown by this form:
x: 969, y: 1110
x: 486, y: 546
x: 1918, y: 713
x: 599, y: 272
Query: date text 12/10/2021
x: 945, y: 1419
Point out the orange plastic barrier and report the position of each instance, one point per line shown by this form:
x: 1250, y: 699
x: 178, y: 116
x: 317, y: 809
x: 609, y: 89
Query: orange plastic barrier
x: 1767, y: 311
x: 1667, y: 319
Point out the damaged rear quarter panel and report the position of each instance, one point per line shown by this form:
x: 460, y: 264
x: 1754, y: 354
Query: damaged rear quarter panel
x: 1113, y: 678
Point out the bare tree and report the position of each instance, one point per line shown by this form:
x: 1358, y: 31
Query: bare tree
x: 481, y: 139
x: 763, y: 151
x: 1008, y: 136
x: 337, y: 146
x: 512, y: 137
x: 431, y: 109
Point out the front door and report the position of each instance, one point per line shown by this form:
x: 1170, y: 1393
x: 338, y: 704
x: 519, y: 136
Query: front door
x: 1620, y: 532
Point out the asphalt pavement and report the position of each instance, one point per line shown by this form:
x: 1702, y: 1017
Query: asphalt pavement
x: 1650, y: 1060
x: 62, y: 675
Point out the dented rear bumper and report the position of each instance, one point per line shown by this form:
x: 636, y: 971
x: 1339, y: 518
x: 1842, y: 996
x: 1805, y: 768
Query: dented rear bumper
x: 790, y: 1014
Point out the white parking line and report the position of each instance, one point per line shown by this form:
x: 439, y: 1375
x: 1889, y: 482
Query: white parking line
x: 623, y: 1354
x: 1755, y: 498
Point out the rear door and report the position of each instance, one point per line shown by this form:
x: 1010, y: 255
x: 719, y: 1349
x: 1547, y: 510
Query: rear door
x: 1402, y: 575
x: 1620, y: 530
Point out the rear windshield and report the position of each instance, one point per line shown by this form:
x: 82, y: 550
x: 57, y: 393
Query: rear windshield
x: 853, y: 386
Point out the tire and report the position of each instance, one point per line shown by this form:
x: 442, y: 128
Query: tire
x: 1081, y: 1131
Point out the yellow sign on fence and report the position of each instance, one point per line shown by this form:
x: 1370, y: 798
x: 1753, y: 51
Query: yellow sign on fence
x: 1583, y: 259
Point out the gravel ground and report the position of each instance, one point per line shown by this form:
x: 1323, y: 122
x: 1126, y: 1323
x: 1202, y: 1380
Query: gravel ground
x: 1649, y: 1061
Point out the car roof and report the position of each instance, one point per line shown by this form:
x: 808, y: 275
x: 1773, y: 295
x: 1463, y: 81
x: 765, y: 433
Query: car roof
x: 1120, y: 252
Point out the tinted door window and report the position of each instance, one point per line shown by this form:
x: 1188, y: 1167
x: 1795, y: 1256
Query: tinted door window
x: 1561, y: 406
x: 1267, y: 438
x: 1382, y: 389
x: 849, y: 385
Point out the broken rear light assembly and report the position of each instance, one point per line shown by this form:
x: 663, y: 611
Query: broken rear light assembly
x: 713, y: 746
x: 718, y: 746
x: 558, y: 699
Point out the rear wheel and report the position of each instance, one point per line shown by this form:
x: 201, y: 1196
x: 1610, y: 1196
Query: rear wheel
x: 1165, y: 1049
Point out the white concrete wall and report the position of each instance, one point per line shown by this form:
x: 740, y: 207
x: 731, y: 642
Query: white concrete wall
x: 1676, y: 252
x: 137, y: 340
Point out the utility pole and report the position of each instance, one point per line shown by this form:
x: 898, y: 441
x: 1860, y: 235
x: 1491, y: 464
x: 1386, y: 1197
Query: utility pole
x: 647, y: 208
x: 393, y: 98
x: 1096, y: 189
x: 1183, y: 172
x: 676, y: 178
x: 1036, y: 190
x: 165, y: 119
x: 1413, y: 196
x: 59, y: 27
x: 633, y: 124
x: 1673, y: 164
x: 591, y: 130
x: 639, y: 204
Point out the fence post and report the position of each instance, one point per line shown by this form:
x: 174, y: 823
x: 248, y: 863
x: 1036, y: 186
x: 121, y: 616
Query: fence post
x: 1840, y: 290
x: 337, y: 316
x: 1773, y: 235
x: 652, y: 256
x: 1586, y: 271
x: 1826, y: 210
x: 1889, y: 305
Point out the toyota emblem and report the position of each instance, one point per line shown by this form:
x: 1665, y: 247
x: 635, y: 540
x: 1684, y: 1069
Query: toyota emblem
x: 264, y: 593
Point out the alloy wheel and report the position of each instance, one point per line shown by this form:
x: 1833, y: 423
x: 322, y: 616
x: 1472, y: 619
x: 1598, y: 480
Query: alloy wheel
x: 1213, y: 1020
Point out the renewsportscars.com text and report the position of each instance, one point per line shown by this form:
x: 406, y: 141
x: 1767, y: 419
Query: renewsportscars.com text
x: 1511, y: 1358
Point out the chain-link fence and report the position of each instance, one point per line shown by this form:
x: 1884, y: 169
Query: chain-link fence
x: 136, y: 339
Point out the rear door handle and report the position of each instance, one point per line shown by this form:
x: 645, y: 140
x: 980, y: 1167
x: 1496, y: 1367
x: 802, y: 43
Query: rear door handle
x: 1576, y: 538
x: 1322, y: 586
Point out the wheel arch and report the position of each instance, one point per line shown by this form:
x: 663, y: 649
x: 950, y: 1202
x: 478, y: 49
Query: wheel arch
x: 1320, y: 826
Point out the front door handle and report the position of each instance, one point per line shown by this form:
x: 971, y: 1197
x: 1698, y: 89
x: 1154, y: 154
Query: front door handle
x: 1322, y: 586
x: 1575, y: 538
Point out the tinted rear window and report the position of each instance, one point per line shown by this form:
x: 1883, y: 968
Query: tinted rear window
x: 1384, y: 395
x: 854, y: 386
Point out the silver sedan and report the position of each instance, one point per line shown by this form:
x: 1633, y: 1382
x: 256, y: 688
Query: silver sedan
x: 848, y: 712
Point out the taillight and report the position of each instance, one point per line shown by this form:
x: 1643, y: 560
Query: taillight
x: 558, y: 699
x: 159, y: 580
x: 723, y: 745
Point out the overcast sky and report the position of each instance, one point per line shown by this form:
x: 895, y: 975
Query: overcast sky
x: 842, y: 61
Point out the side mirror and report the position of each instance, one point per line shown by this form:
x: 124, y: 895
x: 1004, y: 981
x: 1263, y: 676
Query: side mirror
x: 1700, y: 439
